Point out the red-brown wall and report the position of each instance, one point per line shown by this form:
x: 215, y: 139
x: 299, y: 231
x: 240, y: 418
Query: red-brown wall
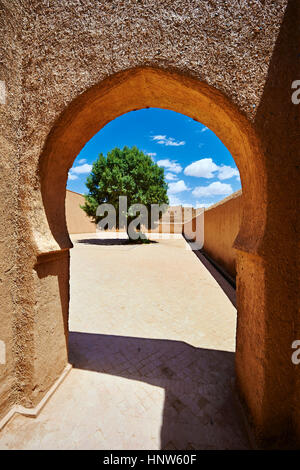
x: 221, y: 225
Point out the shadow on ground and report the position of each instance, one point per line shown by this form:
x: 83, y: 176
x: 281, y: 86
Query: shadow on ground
x: 226, y: 287
x: 199, y: 408
x: 111, y: 241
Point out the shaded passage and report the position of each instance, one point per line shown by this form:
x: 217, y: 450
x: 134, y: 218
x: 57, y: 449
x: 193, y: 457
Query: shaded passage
x: 198, y: 410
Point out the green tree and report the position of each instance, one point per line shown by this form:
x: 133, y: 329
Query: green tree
x: 124, y: 172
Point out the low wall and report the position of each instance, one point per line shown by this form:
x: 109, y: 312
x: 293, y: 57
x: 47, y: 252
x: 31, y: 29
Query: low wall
x: 171, y: 227
x: 221, y: 225
x: 77, y: 220
x: 189, y: 229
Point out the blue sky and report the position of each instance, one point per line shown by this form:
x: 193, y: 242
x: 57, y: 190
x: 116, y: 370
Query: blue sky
x: 198, y: 167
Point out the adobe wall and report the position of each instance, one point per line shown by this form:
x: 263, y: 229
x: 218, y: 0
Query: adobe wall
x: 11, y: 292
x: 222, y: 222
x: 77, y: 220
x: 216, y: 230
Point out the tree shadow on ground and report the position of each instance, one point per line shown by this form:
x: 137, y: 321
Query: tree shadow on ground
x: 199, y: 408
x: 112, y: 241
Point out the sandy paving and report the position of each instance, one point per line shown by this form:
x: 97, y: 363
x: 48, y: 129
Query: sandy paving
x: 152, y: 340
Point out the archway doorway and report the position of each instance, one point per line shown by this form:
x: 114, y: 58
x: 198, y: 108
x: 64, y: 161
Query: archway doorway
x: 143, y: 88
x: 150, y: 320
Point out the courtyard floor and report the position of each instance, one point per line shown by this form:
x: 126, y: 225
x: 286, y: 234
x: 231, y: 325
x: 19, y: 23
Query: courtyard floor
x: 152, y: 341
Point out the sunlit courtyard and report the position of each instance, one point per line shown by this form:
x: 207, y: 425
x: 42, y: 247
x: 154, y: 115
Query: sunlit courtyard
x: 152, y: 341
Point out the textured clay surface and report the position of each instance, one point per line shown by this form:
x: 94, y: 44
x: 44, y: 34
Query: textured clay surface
x: 70, y: 67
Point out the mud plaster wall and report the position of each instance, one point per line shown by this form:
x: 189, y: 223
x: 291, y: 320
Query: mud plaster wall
x: 59, y: 49
x: 10, y: 113
x: 77, y: 220
x: 222, y: 222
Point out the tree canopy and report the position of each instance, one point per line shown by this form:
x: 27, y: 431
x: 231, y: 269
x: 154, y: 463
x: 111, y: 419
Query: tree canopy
x: 124, y: 172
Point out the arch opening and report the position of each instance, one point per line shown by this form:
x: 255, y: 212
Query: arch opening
x: 138, y: 89
x: 114, y: 337
x: 117, y: 95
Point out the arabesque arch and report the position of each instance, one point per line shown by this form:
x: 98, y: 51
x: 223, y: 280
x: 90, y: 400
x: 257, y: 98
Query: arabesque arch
x: 257, y: 378
x: 142, y: 88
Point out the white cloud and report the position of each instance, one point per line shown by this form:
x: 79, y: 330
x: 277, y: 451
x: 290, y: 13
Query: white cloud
x: 174, y: 200
x: 198, y: 204
x: 151, y: 154
x: 164, y: 140
x: 171, y: 177
x: 201, y: 168
x: 170, y: 165
x: 213, y: 189
x: 72, y: 177
x: 206, y: 168
x: 81, y: 161
x: 81, y: 169
x: 177, y: 187
x: 226, y: 172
